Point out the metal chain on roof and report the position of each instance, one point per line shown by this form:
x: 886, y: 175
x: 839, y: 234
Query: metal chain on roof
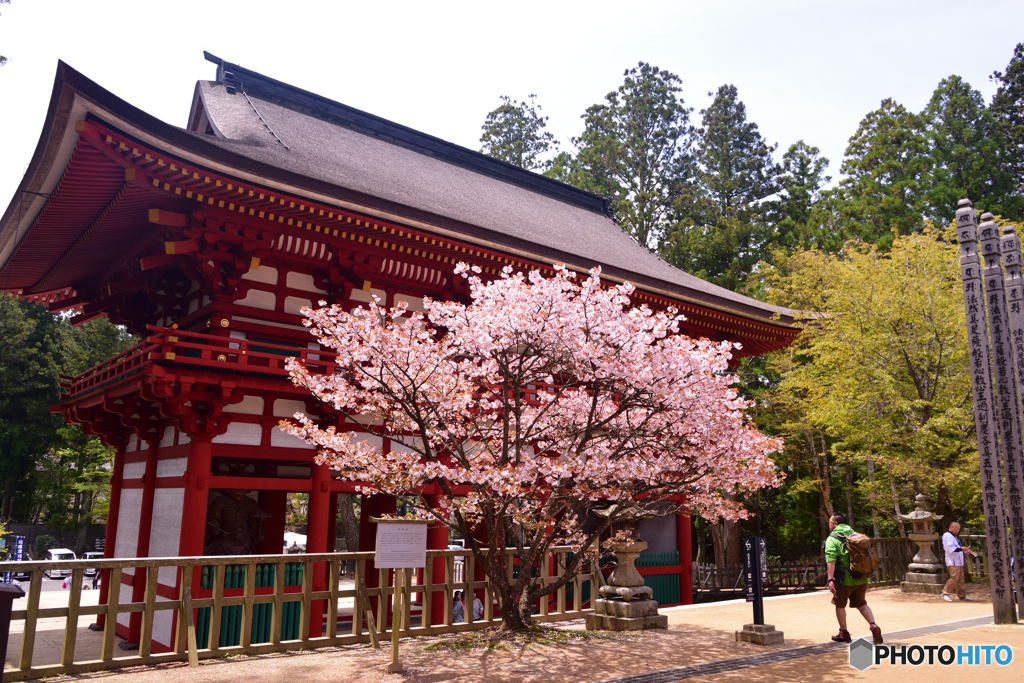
x: 267, y: 125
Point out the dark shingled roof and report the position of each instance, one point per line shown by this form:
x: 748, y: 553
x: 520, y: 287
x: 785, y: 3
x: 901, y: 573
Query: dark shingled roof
x: 297, y: 131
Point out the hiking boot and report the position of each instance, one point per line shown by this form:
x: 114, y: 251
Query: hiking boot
x: 967, y: 598
x: 945, y: 596
x: 842, y: 636
x: 876, y: 634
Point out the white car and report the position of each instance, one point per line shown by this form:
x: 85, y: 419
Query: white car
x: 457, y: 544
x: 92, y: 556
x: 58, y: 555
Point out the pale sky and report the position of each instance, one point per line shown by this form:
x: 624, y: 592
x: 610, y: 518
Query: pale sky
x: 805, y: 69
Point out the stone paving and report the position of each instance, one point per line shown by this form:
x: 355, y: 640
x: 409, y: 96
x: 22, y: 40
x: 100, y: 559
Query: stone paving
x: 697, y: 636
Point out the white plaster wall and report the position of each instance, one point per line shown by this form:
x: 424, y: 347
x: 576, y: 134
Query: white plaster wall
x: 175, y: 467
x: 282, y: 439
x: 163, y: 624
x: 303, y: 282
x: 165, y: 533
x: 168, y: 437
x: 241, y: 433
x: 133, y: 444
x: 250, y: 405
x: 294, y: 304
x: 360, y: 295
x: 264, y: 274
x: 134, y: 470
x: 415, y: 302
x: 284, y: 407
x: 127, y: 542
x: 124, y: 596
x: 257, y: 298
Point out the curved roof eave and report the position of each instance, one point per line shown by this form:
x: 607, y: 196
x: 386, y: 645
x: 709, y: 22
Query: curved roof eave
x: 75, y: 96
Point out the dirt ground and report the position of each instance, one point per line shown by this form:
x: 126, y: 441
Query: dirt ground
x: 696, y: 634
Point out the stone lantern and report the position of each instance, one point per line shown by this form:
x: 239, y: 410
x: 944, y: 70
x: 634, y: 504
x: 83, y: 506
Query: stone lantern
x: 926, y: 573
x: 626, y: 604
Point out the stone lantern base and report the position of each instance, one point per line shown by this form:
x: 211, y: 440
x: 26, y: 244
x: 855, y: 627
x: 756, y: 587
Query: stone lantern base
x: 619, y: 615
x: 626, y: 604
x: 920, y: 582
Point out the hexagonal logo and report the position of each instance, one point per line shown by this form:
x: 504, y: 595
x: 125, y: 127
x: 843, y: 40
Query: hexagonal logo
x: 862, y: 654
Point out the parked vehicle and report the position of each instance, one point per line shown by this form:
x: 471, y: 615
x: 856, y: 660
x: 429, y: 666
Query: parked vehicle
x: 58, y: 555
x: 92, y: 556
x: 457, y: 544
x: 19, y: 575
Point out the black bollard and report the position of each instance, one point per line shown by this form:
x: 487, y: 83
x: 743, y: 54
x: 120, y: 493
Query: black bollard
x: 8, y: 594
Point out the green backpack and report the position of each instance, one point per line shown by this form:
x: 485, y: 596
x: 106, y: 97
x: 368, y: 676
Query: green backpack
x: 862, y: 559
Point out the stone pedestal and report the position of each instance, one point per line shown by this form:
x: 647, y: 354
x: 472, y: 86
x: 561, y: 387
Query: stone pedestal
x: 626, y: 604
x: 619, y: 615
x: 921, y: 582
x: 760, y: 634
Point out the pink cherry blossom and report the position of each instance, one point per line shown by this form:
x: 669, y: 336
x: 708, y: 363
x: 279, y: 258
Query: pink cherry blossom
x: 539, y: 401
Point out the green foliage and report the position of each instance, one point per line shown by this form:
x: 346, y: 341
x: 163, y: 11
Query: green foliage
x: 53, y: 472
x: 880, y: 372
x: 722, y: 231
x: 514, y: 132
x: 967, y: 155
x: 35, y: 350
x: 802, y: 182
x: 635, y: 150
x: 1008, y: 109
x: 43, y: 543
x: 887, y: 168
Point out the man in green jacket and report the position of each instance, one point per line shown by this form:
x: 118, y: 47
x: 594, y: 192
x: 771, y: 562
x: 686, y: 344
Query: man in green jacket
x: 843, y: 586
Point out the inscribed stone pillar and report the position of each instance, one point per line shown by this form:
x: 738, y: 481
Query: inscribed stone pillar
x: 1011, y: 256
x: 984, y: 414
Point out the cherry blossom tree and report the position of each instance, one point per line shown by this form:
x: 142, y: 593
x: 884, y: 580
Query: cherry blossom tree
x: 541, y: 400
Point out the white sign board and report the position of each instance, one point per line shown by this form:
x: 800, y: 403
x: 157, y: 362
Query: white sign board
x: 401, y: 545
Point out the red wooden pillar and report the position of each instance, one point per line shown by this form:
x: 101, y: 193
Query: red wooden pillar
x: 196, y: 499
x: 332, y: 524
x: 437, y: 539
x: 145, y: 533
x: 114, y: 509
x: 683, y: 542
x: 275, y: 504
x: 373, y: 506
x: 197, y: 496
x: 318, y: 522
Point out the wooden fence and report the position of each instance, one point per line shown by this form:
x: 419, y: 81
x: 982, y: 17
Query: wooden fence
x: 894, y: 555
x: 225, y: 596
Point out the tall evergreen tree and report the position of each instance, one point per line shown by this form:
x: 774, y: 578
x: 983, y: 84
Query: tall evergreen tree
x: 722, y: 230
x: 514, y: 132
x: 967, y: 155
x: 887, y: 166
x: 1008, y: 108
x: 635, y: 149
x: 802, y: 181
x: 33, y: 353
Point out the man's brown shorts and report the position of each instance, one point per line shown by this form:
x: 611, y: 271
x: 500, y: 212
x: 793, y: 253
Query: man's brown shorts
x: 857, y: 596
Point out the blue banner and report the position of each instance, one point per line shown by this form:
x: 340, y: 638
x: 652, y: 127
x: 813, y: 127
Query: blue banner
x: 19, y: 554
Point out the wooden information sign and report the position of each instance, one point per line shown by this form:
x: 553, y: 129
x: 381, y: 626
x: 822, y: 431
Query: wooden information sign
x: 402, y: 546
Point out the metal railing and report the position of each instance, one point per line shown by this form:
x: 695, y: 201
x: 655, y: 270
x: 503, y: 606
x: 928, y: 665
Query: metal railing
x: 236, y: 605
